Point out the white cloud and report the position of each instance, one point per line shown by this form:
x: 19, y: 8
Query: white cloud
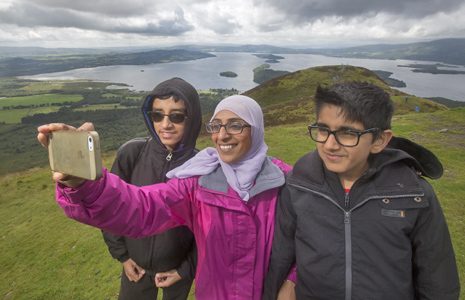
x: 313, y: 23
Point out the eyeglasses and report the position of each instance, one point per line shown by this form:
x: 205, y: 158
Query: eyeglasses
x: 158, y: 116
x: 344, y: 137
x: 232, y: 127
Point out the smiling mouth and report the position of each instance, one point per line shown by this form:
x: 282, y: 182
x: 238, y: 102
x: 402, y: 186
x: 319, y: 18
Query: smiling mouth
x: 226, y: 148
x: 166, y: 133
x: 333, y: 157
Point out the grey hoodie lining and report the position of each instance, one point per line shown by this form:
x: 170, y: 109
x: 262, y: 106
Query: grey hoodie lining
x: 268, y: 178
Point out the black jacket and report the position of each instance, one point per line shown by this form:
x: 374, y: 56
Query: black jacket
x: 386, y: 239
x: 144, y: 161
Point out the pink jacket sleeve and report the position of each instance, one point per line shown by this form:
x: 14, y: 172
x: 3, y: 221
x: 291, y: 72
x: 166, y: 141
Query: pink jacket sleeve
x: 124, y: 209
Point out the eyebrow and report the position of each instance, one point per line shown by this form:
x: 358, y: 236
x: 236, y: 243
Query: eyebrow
x: 230, y: 120
x: 340, y: 128
x: 173, y: 110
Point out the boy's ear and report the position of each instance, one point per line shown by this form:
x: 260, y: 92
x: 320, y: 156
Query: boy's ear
x: 381, y: 142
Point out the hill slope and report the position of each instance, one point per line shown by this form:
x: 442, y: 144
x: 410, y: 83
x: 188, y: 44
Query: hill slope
x: 289, y: 98
x: 285, y: 100
x: 46, y: 256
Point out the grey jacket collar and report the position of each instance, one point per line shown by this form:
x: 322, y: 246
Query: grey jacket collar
x: 269, y: 177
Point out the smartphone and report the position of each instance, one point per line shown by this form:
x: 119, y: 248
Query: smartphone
x: 75, y: 153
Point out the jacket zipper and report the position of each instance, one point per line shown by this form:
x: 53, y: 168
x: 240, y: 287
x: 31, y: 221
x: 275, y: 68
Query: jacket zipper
x: 152, y: 239
x: 346, y: 200
x: 167, y: 165
x: 348, y: 228
x: 348, y: 252
x: 169, y: 156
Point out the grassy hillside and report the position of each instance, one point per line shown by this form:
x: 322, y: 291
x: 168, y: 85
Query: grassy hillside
x: 288, y: 99
x: 47, y: 256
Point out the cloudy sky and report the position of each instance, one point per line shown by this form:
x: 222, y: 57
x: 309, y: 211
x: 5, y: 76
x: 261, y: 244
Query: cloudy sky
x: 291, y: 23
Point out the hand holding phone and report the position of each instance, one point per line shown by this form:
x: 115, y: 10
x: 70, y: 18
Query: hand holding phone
x: 68, y: 143
x: 75, y: 153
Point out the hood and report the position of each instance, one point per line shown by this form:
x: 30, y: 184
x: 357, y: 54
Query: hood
x: 424, y: 161
x: 182, y: 90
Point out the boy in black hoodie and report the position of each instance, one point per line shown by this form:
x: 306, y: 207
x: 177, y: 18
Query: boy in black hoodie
x: 173, y: 117
x: 356, y: 216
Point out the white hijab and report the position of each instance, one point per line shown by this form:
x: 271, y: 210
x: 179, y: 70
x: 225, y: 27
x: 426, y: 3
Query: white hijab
x: 239, y: 175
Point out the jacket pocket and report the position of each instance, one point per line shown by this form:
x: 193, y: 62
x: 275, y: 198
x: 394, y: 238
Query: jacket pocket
x: 406, y: 207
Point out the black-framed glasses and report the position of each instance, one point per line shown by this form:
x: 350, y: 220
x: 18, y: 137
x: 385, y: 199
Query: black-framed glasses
x: 344, y: 137
x: 175, y: 117
x: 232, y: 127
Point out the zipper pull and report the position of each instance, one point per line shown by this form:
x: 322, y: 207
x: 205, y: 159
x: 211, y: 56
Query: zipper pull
x: 346, y: 200
x: 169, y: 156
x: 347, y: 217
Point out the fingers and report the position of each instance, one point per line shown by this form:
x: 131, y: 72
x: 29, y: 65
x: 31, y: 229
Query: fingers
x: 166, y: 279
x: 140, y: 271
x: 44, y: 131
x: 287, y: 291
x: 133, y: 275
x: 87, y: 126
x: 160, y: 279
x: 133, y: 271
x: 68, y: 180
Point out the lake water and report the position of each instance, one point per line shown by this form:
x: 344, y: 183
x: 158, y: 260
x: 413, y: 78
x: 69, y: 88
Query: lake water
x: 204, y: 73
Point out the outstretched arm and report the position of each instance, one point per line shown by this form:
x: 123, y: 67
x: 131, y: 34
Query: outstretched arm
x: 124, y: 209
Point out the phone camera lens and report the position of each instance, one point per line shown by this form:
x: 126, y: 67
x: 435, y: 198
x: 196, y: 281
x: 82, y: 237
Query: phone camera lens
x: 90, y: 142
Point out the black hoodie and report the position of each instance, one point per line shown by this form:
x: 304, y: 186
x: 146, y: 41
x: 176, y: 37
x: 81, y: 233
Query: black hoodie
x: 385, y: 239
x: 144, y: 161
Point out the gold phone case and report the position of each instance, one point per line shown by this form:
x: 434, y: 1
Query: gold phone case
x: 75, y: 153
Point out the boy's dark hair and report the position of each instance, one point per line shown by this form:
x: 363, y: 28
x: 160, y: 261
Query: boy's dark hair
x: 359, y: 101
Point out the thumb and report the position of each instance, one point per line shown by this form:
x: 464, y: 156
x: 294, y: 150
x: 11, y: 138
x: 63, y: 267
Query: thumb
x: 140, y: 270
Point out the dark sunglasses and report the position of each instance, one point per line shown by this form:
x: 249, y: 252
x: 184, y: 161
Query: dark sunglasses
x: 158, y: 116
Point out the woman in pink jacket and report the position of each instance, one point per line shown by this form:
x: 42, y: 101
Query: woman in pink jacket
x: 226, y: 195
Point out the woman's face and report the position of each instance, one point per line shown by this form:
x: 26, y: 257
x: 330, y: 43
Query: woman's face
x: 231, y: 147
x: 170, y: 133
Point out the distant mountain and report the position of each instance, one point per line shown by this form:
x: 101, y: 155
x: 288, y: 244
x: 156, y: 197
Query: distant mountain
x: 451, y: 51
x: 16, y: 61
x: 6, y: 52
x: 19, y: 66
x: 239, y: 48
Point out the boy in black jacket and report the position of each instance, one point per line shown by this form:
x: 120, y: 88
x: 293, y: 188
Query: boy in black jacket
x: 356, y: 216
x: 173, y: 117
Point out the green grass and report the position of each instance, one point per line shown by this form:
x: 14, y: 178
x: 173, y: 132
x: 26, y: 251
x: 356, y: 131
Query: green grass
x: 14, y: 116
x: 39, y: 99
x: 44, y: 255
x: 101, y: 107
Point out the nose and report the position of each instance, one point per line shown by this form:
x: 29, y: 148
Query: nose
x: 222, y: 134
x: 331, y: 142
x: 165, y: 123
